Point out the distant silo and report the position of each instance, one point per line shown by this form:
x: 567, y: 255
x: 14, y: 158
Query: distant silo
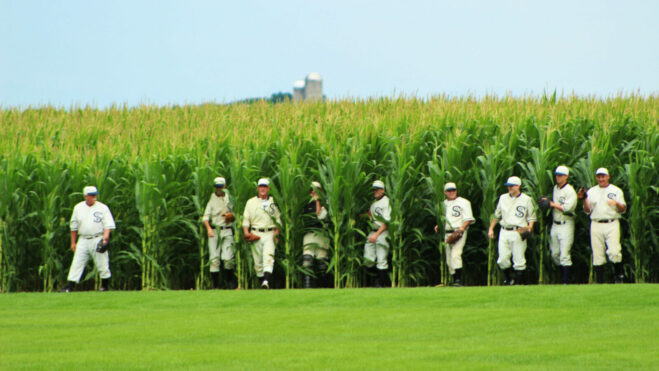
x: 313, y: 87
x: 298, y: 91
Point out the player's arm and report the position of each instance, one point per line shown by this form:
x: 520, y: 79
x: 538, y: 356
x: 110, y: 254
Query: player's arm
x: 490, y: 231
x: 106, y: 235
x: 74, y: 238
x: 465, y: 225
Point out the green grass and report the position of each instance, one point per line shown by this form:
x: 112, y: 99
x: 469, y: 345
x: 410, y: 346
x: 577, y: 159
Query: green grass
x: 532, y: 327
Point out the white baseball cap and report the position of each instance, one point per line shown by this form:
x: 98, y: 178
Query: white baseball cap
x: 562, y: 170
x: 513, y: 181
x: 220, y: 182
x: 602, y: 171
x: 90, y: 191
x: 450, y: 187
x: 264, y: 182
x: 378, y: 184
x: 316, y: 185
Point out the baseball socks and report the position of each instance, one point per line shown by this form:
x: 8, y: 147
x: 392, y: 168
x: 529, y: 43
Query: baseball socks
x: 565, y: 274
x: 215, y: 277
x: 617, y: 267
x: 230, y: 279
x: 519, y: 277
x: 457, y: 277
x: 105, y: 284
x: 599, y: 273
x: 267, y: 279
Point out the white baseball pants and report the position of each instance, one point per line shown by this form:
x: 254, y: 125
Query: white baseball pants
x: 562, y: 237
x: 454, y: 253
x: 376, y: 253
x: 263, y: 252
x: 605, y: 237
x: 86, y: 249
x: 511, y: 244
x: 220, y: 248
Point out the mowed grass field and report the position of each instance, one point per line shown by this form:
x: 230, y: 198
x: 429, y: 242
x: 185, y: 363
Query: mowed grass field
x: 529, y: 327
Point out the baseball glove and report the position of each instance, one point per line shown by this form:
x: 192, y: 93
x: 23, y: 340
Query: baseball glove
x: 252, y: 237
x: 102, y: 247
x: 544, y: 203
x: 524, y: 233
x: 229, y: 218
x: 581, y: 193
x: 454, y: 237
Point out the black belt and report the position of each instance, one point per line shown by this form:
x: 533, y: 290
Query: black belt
x: 561, y: 222
x: 262, y: 229
x: 221, y: 228
x: 91, y: 237
x: 510, y: 228
x: 605, y: 220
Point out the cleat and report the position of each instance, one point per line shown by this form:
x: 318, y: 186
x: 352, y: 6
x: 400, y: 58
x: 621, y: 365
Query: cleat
x: 66, y: 289
x: 265, y: 284
x: 619, y: 279
x: 457, y: 283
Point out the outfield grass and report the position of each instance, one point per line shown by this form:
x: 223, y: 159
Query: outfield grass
x: 532, y: 327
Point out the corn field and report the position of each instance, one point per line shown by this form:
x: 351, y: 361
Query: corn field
x: 154, y: 168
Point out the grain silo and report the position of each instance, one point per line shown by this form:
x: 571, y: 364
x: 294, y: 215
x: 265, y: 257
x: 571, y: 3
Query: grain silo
x: 313, y: 87
x: 298, y: 91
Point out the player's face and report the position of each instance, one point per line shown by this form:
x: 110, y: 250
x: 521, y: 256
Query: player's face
x: 513, y: 190
x: 452, y: 194
x: 561, y: 179
x: 219, y: 190
x: 602, y: 180
x: 378, y: 193
x: 89, y: 199
x: 313, y: 193
x: 263, y: 191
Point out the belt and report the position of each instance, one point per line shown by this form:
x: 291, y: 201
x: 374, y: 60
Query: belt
x: 221, y: 227
x: 263, y: 229
x: 560, y: 222
x: 451, y: 231
x: 510, y: 228
x: 605, y: 220
x: 91, y: 237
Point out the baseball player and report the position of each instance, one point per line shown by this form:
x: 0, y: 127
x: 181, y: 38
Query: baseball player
x: 605, y: 203
x: 516, y: 213
x: 563, y: 204
x: 458, y: 218
x: 218, y: 219
x: 260, y: 228
x: 91, y: 223
x: 376, y: 248
x: 315, y: 243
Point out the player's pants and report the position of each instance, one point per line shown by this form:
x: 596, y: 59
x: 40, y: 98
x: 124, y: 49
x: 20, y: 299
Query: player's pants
x: 263, y: 252
x: 562, y: 237
x: 220, y: 247
x: 605, y: 237
x: 377, y: 252
x: 454, y: 252
x: 316, y: 245
x: 510, y: 243
x: 85, y: 249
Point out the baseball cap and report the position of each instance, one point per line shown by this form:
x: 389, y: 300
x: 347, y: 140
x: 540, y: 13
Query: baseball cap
x: 316, y: 185
x: 562, y: 170
x: 602, y: 171
x: 513, y: 181
x: 220, y: 182
x: 90, y: 191
x: 450, y: 187
x: 378, y: 184
x: 264, y: 182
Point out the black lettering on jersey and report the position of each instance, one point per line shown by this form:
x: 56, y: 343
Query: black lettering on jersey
x: 378, y: 211
x: 271, y: 210
x: 611, y: 196
x: 457, y: 210
x: 561, y: 200
x: 521, y: 211
x: 98, y: 216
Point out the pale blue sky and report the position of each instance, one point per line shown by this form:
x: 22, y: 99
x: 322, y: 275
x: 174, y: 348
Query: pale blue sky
x: 68, y: 53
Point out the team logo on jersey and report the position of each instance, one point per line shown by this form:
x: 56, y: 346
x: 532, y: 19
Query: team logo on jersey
x: 611, y: 196
x: 271, y: 210
x: 457, y: 211
x: 98, y: 216
x: 561, y: 200
x: 521, y: 211
x: 378, y: 211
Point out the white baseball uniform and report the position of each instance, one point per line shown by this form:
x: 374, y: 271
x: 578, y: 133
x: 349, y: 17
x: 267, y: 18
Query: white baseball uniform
x: 457, y: 212
x: 90, y: 222
x: 604, y: 224
x: 513, y: 213
x: 260, y: 216
x: 216, y: 209
x: 377, y: 252
x: 562, y: 229
x: 315, y: 243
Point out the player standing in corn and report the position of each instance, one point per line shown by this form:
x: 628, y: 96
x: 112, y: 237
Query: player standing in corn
x: 91, y: 223
x: 376, y: 248
x: 605, y: 203
x: 315, y: 243
x: 458, y: 218
x: 516, y: 213
x: 260, y: 228
x: 218, y: 219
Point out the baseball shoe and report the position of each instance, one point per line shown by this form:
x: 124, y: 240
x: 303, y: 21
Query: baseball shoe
x: 66, y: 289
x: 457, y: 283
x: 619, y: 279
x: 265, y: 284
x: 103, y: 289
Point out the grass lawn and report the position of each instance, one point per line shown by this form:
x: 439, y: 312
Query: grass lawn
x: 530, y: 327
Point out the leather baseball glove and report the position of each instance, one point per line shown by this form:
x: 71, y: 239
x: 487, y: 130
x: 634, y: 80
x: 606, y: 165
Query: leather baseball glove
x: 454, y: 237
x: 252, y: 237
x: 544, y: 203
x: 524, y: 233
x: 102, y: 247
x: 229, y: 218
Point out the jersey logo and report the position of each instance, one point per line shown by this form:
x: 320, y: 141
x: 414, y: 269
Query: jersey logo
x: 561, y: 200
x: 98, y: 216
x: 521, y: 211
x: 457, y: 211
x: 271, y: 210
x: 611, y: 196
x: 378, y: 211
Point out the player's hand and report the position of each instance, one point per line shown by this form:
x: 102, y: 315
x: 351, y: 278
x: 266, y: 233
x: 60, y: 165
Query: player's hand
x: 73, y: 246
x: 210, y: 233
x: 372, y: 238
x: 490, y: 234
x: 435, y: 229
x: 612, y: 203
x: 582, y: 194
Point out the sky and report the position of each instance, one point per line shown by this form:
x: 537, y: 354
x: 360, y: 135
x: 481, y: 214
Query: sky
x: 132, y: 52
